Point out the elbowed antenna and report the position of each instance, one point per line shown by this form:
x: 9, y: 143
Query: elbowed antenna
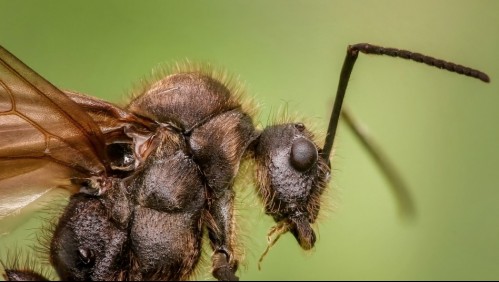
x: 351, y: 57
x: 399, y: 188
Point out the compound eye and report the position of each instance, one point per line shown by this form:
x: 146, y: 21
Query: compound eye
x: 303, y: 154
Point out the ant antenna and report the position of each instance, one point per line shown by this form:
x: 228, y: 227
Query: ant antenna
x: 406, y: 206
x: 351, y: 57
x: 399, y: 188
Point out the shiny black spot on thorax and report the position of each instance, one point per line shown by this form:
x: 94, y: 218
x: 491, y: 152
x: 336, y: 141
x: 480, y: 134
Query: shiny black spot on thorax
x: 121, y: 156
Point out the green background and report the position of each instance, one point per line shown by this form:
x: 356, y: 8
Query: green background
x: 441, y: 129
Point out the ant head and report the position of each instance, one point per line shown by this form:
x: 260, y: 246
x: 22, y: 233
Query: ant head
x: 292, y: 176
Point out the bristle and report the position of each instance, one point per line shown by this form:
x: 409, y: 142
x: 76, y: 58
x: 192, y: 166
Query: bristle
x: 35, y: 256
x: 18, y: 259
x: 232, y: 82
x: 283, y: 116
x: 242, y: 187
x: 49, y: 216
x: 202, y: 270
x: 327, y: 201
x: 244, y: 201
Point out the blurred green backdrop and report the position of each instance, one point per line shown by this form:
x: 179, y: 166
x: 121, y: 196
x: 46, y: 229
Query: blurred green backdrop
x: 441, y: 129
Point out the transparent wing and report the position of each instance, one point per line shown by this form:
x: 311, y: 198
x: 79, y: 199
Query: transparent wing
x: 45, y: 138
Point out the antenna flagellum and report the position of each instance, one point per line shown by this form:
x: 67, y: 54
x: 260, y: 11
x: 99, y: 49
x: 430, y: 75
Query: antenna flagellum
x: 351, y: 57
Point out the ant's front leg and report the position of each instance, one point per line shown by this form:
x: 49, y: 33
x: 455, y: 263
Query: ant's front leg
x: 221, y: 232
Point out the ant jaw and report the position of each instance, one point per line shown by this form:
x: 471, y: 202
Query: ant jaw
x: 299, y: 227
x: 303, y: 232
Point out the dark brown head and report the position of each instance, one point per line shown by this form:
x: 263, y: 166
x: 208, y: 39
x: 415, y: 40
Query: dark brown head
x: 292, y: 177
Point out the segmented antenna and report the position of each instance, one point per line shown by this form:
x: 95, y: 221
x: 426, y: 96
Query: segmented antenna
x: 420, y: 58
x: 351, y: 57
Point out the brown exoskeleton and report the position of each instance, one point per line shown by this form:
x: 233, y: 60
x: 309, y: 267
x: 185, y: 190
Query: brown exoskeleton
x: 149, y: 179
